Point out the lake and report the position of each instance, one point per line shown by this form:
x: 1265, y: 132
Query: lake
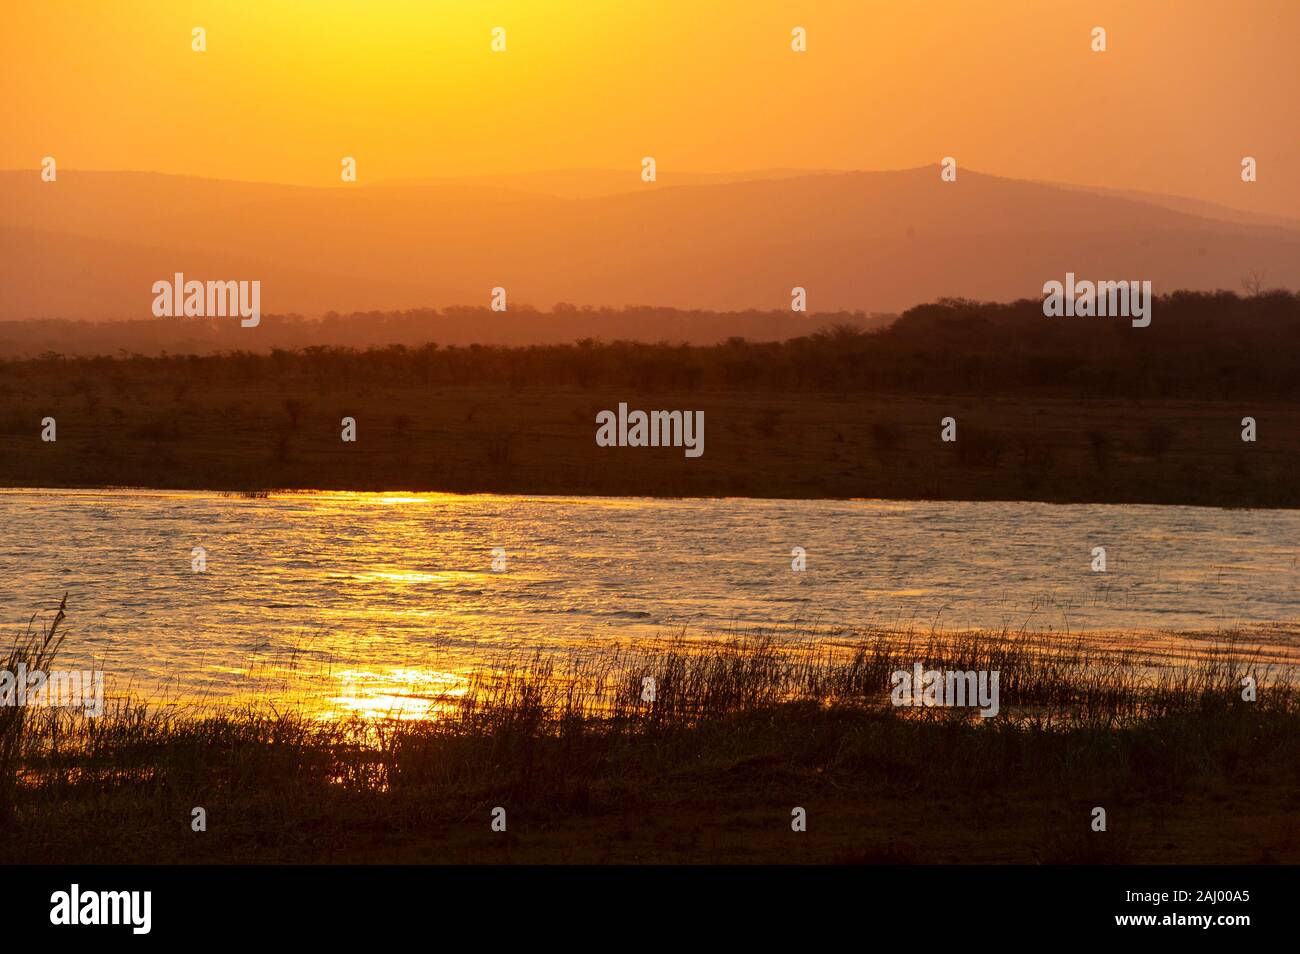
x: 374, y: 602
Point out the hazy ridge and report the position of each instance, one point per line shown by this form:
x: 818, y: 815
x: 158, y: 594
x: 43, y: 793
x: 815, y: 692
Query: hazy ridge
x: 90, y: 245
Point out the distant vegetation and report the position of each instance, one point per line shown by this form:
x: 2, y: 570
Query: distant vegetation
x: 1081, y: 409
x: 1199, y: 345
x: 521, y: 325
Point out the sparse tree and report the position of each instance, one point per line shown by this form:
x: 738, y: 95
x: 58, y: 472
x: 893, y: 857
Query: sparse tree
x: 1254, y: 282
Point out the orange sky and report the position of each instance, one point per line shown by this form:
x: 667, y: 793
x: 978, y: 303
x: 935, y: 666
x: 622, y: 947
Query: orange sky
x: 411, y: 88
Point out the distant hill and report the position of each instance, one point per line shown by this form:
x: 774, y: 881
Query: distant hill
x: 591, y: 183
x: 90, y: 245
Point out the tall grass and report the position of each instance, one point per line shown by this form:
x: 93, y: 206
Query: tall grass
x: 33, y: 650
x: 575, y: 735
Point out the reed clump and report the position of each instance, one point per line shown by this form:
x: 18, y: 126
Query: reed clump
x: 581, y: 743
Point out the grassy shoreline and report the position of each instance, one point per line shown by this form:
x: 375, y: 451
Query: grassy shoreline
x: 738, y: 735
x: 238, y: 437
x: 1044, y: 410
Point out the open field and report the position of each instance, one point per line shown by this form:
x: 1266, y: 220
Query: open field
x: 285, y: 433
x: 1055, y: 410
x: 737, y: 735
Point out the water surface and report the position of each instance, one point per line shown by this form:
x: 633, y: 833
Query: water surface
x: 383, y: 598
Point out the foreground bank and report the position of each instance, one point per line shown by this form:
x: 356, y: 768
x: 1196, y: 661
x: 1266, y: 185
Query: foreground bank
x: 746, y: 752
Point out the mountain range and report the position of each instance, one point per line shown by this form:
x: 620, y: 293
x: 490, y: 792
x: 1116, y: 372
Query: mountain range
x: 90, y: 245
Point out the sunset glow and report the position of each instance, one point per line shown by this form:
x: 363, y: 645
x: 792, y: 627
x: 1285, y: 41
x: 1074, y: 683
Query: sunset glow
x: 658, y: 434
x: 412, y: 89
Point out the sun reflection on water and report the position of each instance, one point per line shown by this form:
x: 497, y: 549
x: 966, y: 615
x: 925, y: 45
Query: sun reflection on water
x: 398, y: 693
